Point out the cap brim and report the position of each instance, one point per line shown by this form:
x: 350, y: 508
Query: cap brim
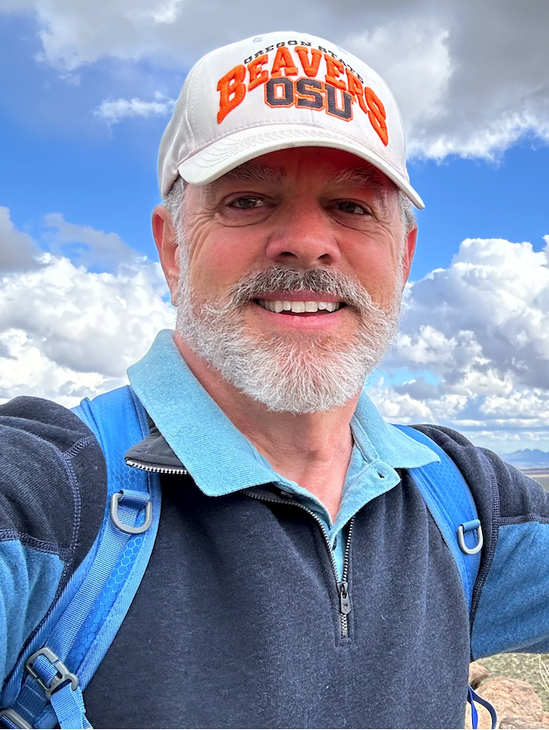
x: 227, y: 153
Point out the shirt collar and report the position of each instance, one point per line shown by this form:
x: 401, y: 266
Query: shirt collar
x: 218, y: 456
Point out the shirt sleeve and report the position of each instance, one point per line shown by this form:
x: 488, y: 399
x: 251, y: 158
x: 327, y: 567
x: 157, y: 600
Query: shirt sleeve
x: 510, y: 606
x: 52, y: 497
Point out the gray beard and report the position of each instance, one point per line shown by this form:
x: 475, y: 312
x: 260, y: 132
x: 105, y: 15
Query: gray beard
x: 292, y: 372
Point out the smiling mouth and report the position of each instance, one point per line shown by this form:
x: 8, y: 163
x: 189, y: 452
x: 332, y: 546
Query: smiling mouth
x: 285, y: 307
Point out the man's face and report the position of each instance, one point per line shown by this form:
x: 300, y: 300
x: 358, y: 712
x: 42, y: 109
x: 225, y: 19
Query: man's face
x: 293, y: 265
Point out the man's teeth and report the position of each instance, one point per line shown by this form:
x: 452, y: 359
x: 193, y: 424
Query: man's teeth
x: 297, y: 307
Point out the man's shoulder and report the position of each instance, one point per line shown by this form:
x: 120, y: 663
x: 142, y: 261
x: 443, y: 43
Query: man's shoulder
x: 52, y: 502
x: 53, y: 478
x: 42, y: 420
x: 506, y: 492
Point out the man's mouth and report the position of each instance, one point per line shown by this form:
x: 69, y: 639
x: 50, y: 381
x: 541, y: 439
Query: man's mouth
x: 282, y: 306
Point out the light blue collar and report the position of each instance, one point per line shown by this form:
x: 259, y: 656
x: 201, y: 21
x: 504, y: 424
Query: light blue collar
x: 222, y: 460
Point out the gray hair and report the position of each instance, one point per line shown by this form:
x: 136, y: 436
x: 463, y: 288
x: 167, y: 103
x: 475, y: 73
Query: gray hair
x: 406, y: 211
x: 174, y: 204
x: 174, y: 200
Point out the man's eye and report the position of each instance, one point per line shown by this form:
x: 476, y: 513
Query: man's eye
x: 244, y: 210
x: 246, y: 203
x: 347, y: 206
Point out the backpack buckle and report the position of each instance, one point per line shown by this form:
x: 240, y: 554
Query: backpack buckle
x: 43, y: 673
x: 463, y: 529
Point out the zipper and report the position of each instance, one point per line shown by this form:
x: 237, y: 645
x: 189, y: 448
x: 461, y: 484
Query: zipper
x: 157, y: 469
x: 342, y: 585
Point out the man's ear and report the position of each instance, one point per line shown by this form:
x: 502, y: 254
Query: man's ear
x: 165, y: 239
x: 408, y: 254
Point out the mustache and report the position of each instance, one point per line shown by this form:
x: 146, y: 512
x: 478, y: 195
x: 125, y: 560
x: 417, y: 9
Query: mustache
x: 320, y: 281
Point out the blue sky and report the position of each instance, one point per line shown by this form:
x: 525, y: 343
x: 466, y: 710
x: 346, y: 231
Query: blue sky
x: 476, y: 105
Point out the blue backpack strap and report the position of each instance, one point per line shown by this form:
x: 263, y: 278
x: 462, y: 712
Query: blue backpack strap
x: 45, y: 688
x: 474, y: 697
x: 451, y: 504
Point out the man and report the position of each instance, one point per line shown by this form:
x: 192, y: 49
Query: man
x: 297, y: 579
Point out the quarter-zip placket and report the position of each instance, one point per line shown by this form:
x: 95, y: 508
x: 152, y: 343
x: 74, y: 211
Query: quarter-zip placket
x: 342, y: 586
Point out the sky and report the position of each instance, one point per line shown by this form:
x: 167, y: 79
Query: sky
x: 86, y: 90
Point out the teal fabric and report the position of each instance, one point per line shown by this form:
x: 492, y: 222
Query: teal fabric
x: 29, y: 578
x: 512, y: 613
x: 221, y: 460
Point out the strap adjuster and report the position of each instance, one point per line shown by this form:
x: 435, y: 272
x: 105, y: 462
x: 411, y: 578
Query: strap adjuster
x: 63, y: 675
x: 463, y: 529
x: 14, y: 718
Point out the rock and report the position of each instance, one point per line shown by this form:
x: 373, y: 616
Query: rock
x: 516, y: 703
x: 477, y: 674
x: 545, y: 721
x: 517, y: 723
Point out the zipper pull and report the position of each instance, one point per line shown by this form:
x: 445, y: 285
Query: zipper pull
x: 344, y: 600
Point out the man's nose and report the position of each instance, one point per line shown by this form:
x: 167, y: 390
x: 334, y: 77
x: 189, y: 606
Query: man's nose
x: 304, y: 236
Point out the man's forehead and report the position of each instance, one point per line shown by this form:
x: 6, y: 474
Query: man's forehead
x: 341, y: 168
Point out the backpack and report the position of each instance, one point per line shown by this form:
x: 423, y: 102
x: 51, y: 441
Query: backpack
x: 45, y: 687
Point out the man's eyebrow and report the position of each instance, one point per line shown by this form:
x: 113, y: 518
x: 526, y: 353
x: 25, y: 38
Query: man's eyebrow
x: 358, y: 177
x: 256, y: 172
x: 248, y: 172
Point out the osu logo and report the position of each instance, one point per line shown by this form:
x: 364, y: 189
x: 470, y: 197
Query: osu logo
x: 335, y: 94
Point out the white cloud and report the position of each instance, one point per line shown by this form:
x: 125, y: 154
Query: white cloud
x: 471, y: 77
x: 528, y: 408
x: 66, y: 332
x: 481, y: 328
x: 161, y: 12
x: 418, y: 74
x: 112, y: 111
x: 491, y: 306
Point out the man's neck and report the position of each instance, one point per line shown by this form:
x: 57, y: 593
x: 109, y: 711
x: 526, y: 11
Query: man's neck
x: 311, y: 449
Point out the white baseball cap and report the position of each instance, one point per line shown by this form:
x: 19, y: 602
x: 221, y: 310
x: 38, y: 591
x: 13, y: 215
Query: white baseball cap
x: 275, y: 91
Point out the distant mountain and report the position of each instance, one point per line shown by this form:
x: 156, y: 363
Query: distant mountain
x: 528, y: 459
